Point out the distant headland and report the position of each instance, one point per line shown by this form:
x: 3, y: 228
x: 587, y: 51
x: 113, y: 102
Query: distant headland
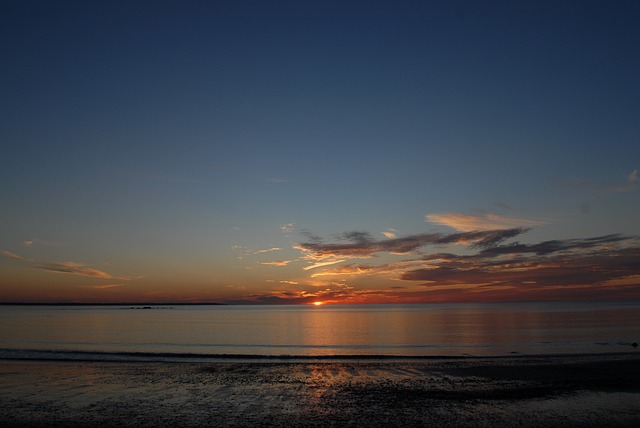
x: 136, y: 304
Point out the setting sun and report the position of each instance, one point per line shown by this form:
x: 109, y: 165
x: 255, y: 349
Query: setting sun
x: 318, y: 303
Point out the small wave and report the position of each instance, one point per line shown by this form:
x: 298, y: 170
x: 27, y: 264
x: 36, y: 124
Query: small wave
x: 128, y: 357
x: 75, y: 355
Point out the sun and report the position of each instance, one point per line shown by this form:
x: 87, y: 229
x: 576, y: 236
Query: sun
x: 318, y: 303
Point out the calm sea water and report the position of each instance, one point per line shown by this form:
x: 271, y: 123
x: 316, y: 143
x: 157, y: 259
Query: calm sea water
x: 372, y: 330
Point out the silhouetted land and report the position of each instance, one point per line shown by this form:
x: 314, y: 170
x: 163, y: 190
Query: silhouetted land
x: 109, y: 304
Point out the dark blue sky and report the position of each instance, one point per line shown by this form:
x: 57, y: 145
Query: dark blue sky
x: 172, y: 141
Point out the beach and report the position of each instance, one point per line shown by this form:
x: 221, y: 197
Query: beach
x: 587, y: 390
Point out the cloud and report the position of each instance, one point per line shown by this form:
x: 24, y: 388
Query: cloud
x: 331, y: 293
x: 390, y: 233
x: 554, y: 246
x: 288, y: 228
x: 268, y: 250
x: 357, y: 237
x: 362, y: 246
x: 633, y: 176
x: 299, y: 294
x: 558, y: 263
x: 321, y: 264
x: 479, y: 261
x: 276, y: 263
x: 32, y: 242
x: 101, y: 287
x: 72, y: 268
x: 12, y: 255
x: 349, y: 270
x: 489, y: 268
x: 483, y: 221
x: 564, y: 271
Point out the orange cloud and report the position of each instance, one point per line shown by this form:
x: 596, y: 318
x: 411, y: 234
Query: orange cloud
x: 599, y: 266
x: 321, y: 264
x: 346, y: 270
x: 101, y: 287
x: 488, y: 221
x: 268, y: 250
x: 391, y: 233
x: 276, y: 263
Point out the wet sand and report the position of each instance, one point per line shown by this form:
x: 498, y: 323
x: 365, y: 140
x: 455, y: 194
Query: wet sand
x: 525, y: 391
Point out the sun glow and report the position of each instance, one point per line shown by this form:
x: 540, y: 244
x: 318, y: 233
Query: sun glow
x: 318, y: 303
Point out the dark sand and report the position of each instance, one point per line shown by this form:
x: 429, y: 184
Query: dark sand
x: 524, y: 391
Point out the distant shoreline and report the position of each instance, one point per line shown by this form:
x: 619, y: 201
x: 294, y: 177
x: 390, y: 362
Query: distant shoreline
x: 113, y: 304
x: 515, y: 302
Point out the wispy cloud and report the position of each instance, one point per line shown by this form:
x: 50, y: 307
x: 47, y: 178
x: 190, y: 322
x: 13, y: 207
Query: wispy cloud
x: 481, y: 221
x: 72, y: 268
x: 633, y: 176
x: 268, y: 250
x: 103, y: 286
x: 288, y: 228
x: 321, y: 264
x: 12, y: 256
x: 32, y: 242
x: 276, y: 263
x: 349, y: 270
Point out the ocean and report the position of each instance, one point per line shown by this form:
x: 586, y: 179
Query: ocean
x: 194, y: 332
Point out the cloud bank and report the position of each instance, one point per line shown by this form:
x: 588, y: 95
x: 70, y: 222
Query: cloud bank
x: 471, y: 263
x: 362, y: 245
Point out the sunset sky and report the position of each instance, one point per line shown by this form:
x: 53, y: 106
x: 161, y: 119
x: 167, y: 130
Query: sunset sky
x: 335, y: 151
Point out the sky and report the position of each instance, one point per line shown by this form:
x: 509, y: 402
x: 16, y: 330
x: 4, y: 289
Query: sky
x: 330, y: 151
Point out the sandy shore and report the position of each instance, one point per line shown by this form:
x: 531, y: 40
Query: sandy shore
x: 526, y: 391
